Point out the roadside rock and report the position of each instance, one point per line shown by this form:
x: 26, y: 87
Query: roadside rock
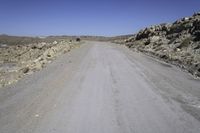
x: 25, y: 70
x: 19, y: 60
x: 178, y: 43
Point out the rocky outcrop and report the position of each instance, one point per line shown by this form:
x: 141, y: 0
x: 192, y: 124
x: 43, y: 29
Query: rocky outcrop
x: 19, y: 60
x: 178, y: 43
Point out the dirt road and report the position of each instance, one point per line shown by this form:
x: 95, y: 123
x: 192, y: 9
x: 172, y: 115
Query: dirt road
x: 102, y: 88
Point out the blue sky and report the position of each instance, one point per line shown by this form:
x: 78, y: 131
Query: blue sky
x: 89, y: 17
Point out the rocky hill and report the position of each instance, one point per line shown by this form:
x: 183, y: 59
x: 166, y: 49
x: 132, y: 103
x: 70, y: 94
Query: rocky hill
x: 177, y: 43
x: 20, y: 56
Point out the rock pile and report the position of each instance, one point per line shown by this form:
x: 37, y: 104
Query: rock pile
x: 19, y: 60
x: 178, y: 43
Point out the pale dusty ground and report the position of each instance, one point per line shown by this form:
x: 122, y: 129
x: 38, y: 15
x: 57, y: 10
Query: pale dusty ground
x: 102, y: 88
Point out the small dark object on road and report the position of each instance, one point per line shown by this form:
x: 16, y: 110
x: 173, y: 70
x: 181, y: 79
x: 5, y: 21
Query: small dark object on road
x: 78, y: 39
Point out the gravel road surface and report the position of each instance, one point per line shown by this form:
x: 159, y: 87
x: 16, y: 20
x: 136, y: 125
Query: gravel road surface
x: 102, y: 88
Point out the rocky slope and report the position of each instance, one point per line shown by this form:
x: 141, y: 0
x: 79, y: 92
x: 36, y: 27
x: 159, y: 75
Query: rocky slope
x: 177, y: 43
x: 20, y: 59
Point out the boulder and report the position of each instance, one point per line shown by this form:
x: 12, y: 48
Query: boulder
x: 55, y: 42
x: 154, y: 39
x: 25, y: 70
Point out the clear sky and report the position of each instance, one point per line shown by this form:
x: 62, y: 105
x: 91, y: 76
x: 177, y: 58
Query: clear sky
x: 89, y: 17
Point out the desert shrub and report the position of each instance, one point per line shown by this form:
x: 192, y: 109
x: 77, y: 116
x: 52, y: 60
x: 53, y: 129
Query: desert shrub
x: 185, y: 42
x: 197, y: 35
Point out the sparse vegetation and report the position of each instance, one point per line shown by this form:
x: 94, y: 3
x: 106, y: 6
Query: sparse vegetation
x: 178, y: 43
x: 24, y: 55
x: 185, y: 43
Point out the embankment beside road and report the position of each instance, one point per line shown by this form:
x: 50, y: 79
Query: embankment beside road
x: 177, y: 43
x: 27, y: 55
